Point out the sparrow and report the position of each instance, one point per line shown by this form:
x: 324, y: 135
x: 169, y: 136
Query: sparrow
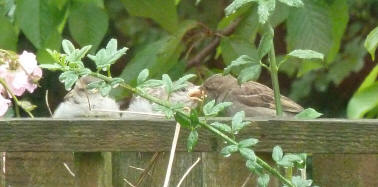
x: 141, y: 106
x: 82, y: 102
x: 255, y: 99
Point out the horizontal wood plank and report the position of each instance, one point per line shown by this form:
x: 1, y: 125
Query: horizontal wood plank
x: 153, y: 134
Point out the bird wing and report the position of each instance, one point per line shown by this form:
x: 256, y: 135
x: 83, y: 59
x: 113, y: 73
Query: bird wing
x: 254, y: 94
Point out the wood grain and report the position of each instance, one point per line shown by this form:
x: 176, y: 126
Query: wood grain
x: 151, y: 135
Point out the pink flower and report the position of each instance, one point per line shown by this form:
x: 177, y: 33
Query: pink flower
x: 4, y: 104
x: 24, y: 76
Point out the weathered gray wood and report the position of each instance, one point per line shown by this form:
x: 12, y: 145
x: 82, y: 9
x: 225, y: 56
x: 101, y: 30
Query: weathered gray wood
x: 93, y: 169
x: 42, y: 169
x: 147, y: 135
x: 347, y: 170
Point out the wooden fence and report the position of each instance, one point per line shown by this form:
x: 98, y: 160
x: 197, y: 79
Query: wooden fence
x: 106, y: 152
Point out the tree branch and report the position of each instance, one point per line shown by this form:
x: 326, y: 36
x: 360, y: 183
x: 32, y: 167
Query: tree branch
x: 197, y: 59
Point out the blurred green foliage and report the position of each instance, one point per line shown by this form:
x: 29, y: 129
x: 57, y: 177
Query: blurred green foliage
x: 165, y: 35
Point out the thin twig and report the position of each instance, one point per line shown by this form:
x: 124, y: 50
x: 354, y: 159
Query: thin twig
x: 128, y: 182
x: 246, y: 180
x: 68, y: 169
x: 128, y: 112
x: 172, y: 155
x: 47, y: 102
x: 149, y: 167
x: 196, y: 60
x: 188, y: 171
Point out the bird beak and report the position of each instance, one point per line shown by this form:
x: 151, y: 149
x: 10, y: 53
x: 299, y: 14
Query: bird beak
x: 196, y: 93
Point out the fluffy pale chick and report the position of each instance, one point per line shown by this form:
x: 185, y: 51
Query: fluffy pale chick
x: 81, y: 102
x: 257, y: 100
x: 143, y: 106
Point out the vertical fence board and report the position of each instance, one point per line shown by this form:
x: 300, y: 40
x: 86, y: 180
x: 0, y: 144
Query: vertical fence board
x: 93, y: 169
x: 347, y: 170
x: 42, y: 169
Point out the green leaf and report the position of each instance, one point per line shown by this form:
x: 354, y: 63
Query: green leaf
x: 370, y: 79
x: 250, y: 73
x: 237, y: 122
x: 8, y: 34
x: 182, y: 82
x: 263, y: 180
x: 88, y: 23
x: 161, y: 11
x: 68, y: 78
x: 363, y: 101
x: 183, y: 120
x: 51, y: 67
x: 235, y: 5
x: 167, y: 82
x: 68, y: 47
x: 294, y: 3
x: 39, y: 21
x: 194, y: 120
x: 27, y: 105
x: 192, y: 140
x: 221, y: 126
x: 277, y: 153
x: 105, y: 90
x: 306, y: 54
x: 152, y: 83
x: 210, y: 110
x: 254, y: 167
x: 265, y: 8
x: 116, y: 81
x: 284, y: 162
x: 248, y: 142
x: 248, y: 153
x: 108, y: 56
x: 96, y: 85
x: 293, y: 158
x: 310, y: 27
x: 234, y: 46
x: 299, y: 182
x: 241, y: 60
x: 228, y: 150
x: 339, y: 14
x: 142, y: 77
x: 265, y: 44
x: 371, y: 42
x: 77, y: 54
x: 351, y: 61
x: 308, y: 113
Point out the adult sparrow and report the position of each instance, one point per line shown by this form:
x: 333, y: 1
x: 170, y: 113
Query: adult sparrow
x: 81, y: 102
x: 254, y: 98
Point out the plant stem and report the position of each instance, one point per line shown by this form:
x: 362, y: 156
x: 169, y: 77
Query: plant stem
x: 17, y: 102
x: 261, y: 162
x: 274, y: 77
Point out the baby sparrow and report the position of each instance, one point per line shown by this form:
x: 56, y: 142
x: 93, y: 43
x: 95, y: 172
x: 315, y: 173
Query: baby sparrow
x: 81, y: 102
x: 254, y: 98
x: 143, y: 106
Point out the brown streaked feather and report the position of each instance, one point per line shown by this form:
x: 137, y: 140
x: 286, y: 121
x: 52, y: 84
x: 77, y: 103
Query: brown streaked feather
x: 255, y: 94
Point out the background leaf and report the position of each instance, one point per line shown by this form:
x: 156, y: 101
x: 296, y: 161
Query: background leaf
x: 371, y: 42
x: 363, y: 101
x: 8, y: 34
x: 88, y: 23
x: 161, y: 11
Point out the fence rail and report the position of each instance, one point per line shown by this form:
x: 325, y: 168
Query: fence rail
x: 150, y: 135
x: 345, y: 152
